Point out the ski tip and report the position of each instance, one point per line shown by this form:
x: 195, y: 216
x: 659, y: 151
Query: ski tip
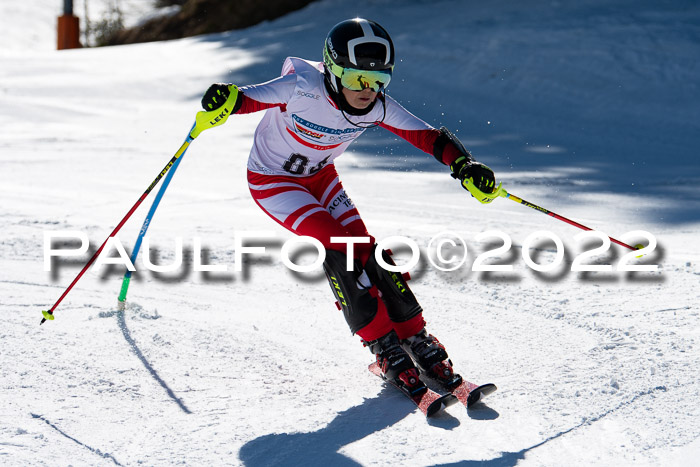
x: 476, y: 394
x: 450, y: 399
x: 435, y: 407
x: 440, y: 404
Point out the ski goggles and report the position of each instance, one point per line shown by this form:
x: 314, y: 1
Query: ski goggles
x: 357, y: 80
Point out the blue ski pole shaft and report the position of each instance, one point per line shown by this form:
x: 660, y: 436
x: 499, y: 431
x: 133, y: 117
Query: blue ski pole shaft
x: 149, y: 218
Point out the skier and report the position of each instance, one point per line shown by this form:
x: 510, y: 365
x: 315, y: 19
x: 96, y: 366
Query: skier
x: 313, y: 112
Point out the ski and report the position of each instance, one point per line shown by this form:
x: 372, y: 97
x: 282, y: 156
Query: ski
x: 470, y: 393
x: 428, y: 401
x: 467, y: 393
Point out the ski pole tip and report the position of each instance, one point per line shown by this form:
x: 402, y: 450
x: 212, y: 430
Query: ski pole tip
x: 639, y: 246
x: 48, y: 315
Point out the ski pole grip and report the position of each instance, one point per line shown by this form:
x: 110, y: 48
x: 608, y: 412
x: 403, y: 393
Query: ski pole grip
x: 484, y: 198
x: 210, y: 118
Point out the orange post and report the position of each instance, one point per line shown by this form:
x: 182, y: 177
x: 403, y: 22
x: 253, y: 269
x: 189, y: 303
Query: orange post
x: 68, y: 32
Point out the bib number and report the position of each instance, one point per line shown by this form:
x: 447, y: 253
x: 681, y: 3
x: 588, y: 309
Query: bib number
x: 296, y: 165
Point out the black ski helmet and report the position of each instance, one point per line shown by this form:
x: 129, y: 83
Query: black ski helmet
x: 357, y: 44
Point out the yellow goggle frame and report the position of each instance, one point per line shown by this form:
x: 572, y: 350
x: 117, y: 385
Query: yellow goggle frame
x: 357, y: 80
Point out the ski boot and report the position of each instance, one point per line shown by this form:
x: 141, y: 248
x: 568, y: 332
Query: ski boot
x: 431, y: 357
x: 396, y: 365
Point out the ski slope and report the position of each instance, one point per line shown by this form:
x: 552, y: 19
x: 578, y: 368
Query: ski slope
x: 587, y: 109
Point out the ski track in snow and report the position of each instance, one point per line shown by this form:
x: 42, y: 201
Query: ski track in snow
x: 257, y: 367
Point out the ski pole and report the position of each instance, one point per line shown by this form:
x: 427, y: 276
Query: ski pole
x: 204, y: 120
x: 145, y: 225
x: 48, y: 314
x: 503, y: 193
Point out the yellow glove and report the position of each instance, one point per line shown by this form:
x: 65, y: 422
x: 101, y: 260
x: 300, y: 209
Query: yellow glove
x: 221, y: 98
x: 476, y: 178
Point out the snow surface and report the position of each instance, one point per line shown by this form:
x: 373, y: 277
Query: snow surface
x: 589, y: 109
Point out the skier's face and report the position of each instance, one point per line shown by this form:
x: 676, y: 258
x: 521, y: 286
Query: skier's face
x: 359, y: 99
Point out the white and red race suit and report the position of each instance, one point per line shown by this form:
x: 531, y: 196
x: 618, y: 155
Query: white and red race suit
x: 291, y: 174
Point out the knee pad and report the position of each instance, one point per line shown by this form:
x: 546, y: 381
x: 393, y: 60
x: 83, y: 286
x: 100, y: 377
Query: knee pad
x: 400, y: 302
x: 358, y: 303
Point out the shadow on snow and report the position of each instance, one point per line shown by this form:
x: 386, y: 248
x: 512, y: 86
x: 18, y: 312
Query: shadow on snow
x: 321, y: 447
x: 373, y: 415
x: 121, y: 322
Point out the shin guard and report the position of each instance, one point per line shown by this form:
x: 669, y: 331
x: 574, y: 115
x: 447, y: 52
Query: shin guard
x: 359, y: 302
x: 400, y: 302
